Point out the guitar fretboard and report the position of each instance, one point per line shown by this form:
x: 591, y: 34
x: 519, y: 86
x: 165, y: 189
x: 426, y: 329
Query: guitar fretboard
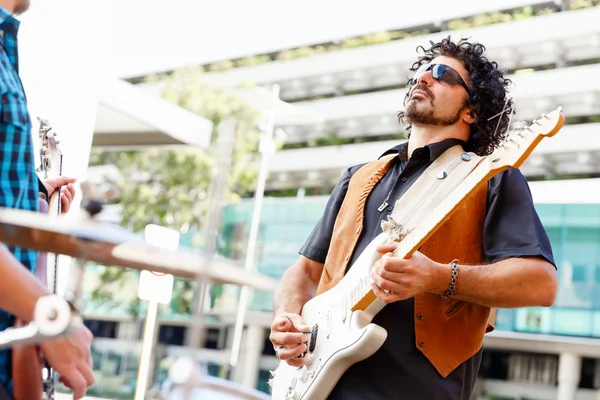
x: 362, y: 295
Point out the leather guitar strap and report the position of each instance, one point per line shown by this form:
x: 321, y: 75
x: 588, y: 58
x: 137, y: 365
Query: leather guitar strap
x: 430, y: 189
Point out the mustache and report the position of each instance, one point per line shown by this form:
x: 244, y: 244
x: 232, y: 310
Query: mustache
x: 422, y: 88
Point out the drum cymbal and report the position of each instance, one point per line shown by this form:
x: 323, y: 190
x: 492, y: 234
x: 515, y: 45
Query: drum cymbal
x: 114, y: 246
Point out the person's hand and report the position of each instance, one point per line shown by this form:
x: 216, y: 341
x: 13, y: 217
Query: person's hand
x: 71, y: 357
x: 67, y: 192
x: 395, y: 278
x: 287, y: 338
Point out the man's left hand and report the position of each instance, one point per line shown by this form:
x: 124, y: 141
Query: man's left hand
x: 67, y: 192
x: 395, y: 278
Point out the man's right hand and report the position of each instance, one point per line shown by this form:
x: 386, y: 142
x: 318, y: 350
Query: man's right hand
x: 71, y: 357
x: 287, y: 338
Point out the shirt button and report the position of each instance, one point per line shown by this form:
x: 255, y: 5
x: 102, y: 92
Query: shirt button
x: 403, y: 179
x: 390, y: 208
x: 422, y: 343
x: 420, y: 316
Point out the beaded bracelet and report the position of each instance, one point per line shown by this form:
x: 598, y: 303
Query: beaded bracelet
x: 450, y: 291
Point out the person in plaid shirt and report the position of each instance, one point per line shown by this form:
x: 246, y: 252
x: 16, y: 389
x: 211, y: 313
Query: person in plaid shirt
x: 19, y: 188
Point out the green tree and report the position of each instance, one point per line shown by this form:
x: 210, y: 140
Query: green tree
x: 170, y: 187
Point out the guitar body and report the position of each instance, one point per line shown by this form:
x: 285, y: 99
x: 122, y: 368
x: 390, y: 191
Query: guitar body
x: 26, y: 361
x: 343, y: 337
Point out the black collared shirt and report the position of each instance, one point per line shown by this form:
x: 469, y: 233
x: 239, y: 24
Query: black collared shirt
x: 398, y: 370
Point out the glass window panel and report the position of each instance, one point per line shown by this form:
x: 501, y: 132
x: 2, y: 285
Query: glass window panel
x: 574, y: 232
x: 597, y: 274
x: 575, y: 295
x: 528, y: 320
x: 533, y: 319
x: 579, y: 273
x: 572, y: 322
x: 505, y: 319
x: 596, y: 324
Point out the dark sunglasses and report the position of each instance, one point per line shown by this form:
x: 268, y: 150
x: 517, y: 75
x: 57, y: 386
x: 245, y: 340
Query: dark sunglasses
x: 440, y: 72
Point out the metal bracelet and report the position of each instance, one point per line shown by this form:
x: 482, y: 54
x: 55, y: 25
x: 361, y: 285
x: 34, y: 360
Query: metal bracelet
x: 450, y: 291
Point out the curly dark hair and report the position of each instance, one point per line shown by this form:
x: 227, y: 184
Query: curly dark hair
x: 487, y: 94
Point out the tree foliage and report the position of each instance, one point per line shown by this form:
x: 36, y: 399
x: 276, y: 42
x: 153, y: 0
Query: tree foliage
x: 170, y: 187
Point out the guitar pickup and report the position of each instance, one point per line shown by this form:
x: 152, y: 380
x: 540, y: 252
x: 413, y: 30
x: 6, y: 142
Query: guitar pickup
x: 312, y: 342
x: 313, y: 339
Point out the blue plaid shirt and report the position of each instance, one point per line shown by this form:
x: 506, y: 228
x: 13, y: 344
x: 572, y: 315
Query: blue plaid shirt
x: 18, y: 179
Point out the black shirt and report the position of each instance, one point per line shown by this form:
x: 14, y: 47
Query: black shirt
x: 398, y: 369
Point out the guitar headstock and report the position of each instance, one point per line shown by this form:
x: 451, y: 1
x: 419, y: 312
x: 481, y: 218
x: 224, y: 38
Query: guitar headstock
x: 521, y: 142
x: 50, y: 154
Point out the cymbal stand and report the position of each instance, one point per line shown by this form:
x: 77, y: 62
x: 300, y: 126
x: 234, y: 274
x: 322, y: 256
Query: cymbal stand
x: 224, y: 149
x: 92, y: 208
x: 186, y: 372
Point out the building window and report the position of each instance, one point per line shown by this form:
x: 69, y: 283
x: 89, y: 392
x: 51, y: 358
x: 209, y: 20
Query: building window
x: 173, y: 335
x: 494, y: 365
x: 268, y: 349
x: 597, y: 274
x: 214, y: 338
x: 579, y: 273
x: 102, y: 329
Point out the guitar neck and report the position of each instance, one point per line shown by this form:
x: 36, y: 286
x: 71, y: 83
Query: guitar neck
x: 362, y: 296
x: 54, y: 210
x: 54, y: 204
x: 514, y: 152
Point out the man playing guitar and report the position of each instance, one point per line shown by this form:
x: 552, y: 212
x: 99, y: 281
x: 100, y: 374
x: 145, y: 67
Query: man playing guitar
x: 497, y: 253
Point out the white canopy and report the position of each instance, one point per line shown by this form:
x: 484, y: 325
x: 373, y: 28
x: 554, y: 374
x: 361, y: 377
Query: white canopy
x: 130, y: 117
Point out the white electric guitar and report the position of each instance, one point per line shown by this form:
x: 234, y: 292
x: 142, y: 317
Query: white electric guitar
x: 343, y: 333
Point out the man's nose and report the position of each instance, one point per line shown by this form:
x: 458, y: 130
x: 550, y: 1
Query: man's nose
x: 425, y: 79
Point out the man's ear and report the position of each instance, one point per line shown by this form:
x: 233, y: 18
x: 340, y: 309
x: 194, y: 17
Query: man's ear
x: 469, y: 116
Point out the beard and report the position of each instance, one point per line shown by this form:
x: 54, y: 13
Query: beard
x: 21, y: 6
x: 427, y: 117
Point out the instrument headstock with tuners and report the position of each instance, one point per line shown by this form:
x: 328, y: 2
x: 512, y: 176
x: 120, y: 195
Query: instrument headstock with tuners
x: 521, y: 142
x: 51, y: 161
x: 50, y: 153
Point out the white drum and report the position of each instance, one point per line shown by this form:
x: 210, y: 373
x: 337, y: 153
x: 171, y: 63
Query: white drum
x: 211, y: 388
x: 190, y: 381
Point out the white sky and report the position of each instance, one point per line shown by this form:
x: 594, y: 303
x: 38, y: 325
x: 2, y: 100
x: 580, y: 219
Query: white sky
x: 152, y: 35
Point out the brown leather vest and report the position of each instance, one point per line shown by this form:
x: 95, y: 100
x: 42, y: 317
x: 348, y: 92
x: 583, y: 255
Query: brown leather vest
x: 447, y: 331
